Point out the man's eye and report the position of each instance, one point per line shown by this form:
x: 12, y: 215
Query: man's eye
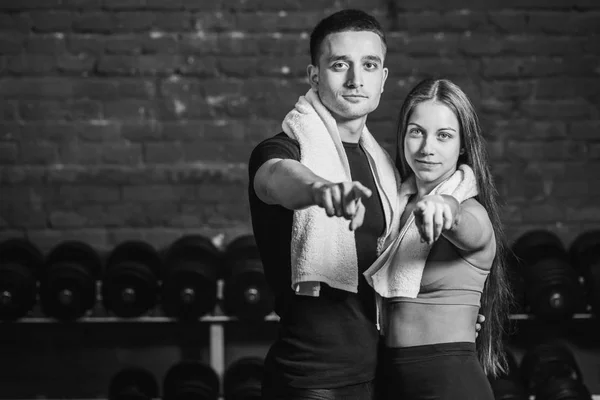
x: 339, y: 66
x: 371, y: 65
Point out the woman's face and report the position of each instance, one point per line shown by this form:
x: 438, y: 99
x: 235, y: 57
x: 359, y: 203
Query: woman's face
x: 432, y: 143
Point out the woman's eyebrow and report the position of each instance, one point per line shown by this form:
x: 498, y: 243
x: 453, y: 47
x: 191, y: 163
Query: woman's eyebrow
x: 441, y: 129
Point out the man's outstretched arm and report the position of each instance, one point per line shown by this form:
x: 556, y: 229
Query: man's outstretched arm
x: 290, y: 184
x: 286, y: 183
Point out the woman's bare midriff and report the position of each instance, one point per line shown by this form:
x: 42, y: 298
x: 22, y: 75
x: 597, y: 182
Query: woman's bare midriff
x: 416, y: 324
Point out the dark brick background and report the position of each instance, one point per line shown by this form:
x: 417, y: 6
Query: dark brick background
x: 135, y: 118
x: 126, y: 119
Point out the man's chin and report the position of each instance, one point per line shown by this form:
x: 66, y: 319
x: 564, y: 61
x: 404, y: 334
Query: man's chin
x: 351, y: 114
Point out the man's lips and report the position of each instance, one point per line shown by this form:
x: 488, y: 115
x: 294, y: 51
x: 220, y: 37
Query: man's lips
x: 354, y: 98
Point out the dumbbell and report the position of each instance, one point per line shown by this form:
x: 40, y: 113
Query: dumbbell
x: 507, y: 388
x: 246, y: 293
x: 133, y: 383
x: 192, y: 266
x: 585, y: 256
x: 191, y: 380
x: 68, y: 284
x: 243, y: 378
x: 130, y: 283
x: 20, y: 266
x: 508, y: 385
x: 553, y: 289
x: 548, y: 362
x: 563, y: 389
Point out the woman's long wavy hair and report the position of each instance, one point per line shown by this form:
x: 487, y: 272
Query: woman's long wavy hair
x: 496, y: 297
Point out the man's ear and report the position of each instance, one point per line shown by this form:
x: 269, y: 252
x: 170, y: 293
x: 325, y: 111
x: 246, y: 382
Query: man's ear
x: 385, y: 75
x: 312, y: 72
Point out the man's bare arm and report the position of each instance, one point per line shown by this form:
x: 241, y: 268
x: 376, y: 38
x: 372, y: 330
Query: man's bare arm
x: 290, y: 184
x: 287, y: 183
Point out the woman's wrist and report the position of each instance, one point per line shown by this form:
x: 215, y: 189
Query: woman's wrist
x: 454, y: 208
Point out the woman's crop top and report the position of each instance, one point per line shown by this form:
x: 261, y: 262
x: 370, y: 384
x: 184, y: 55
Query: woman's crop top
x: 448, y: 278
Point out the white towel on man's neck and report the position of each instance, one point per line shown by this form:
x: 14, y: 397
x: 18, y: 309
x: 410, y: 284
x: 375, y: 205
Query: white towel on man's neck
x: 323, y: 248
x: 398, y: 271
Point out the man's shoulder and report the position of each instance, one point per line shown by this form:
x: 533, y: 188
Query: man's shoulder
x: 280, y: 138
x: 277, y: 146
x: 279, y: 143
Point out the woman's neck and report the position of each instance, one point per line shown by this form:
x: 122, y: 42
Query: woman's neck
x: 425, y: 188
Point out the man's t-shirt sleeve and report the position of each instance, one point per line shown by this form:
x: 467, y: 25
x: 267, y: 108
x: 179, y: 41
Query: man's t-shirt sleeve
x: 278, y: 146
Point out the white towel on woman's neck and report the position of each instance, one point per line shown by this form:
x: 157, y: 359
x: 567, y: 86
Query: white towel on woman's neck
x: 323, y: 248
x: 398, y: 271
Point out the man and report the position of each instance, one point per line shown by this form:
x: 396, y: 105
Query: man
x: 328, y: 338
x: 327, y: 345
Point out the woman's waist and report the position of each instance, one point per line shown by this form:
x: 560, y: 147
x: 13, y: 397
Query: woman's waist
x: 407, y: 355
x: 417, y: 324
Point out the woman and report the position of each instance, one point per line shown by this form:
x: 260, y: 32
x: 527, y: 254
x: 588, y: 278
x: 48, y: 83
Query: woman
x: 450, y: 202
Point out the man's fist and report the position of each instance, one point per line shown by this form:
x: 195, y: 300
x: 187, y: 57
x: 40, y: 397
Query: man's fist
x: 342, y: 200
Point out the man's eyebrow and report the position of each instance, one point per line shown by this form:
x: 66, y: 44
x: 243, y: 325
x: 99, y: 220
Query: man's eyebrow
x: 372, y: 58
x: 334, y: 57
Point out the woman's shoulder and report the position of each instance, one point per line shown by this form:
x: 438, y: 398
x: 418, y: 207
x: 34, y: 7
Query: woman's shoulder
x: 475, y: 208
x: 479, y: 222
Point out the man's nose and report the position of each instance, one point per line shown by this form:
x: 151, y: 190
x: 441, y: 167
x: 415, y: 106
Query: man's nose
x: 354, y: 77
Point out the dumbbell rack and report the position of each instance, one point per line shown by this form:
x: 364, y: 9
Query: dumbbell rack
x: 216, y: 321
x: 217, y: 324
x: 216, y: 331
x: 100, y: 316
x: 574, y: 332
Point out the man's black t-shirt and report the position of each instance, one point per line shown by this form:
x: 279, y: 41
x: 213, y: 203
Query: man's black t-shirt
x: 331, y: 340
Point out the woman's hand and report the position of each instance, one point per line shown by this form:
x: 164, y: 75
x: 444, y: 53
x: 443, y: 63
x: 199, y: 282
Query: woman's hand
x: 479, y: 324
x: 435, y: 214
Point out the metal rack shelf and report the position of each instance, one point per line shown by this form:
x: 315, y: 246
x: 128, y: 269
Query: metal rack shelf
x: 216, y: 323
x: 210, y: 319
x: 533, y: 317
x: 594, y: 397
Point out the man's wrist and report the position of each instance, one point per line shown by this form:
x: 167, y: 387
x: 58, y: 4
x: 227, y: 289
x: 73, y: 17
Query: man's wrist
x: 314, y: 189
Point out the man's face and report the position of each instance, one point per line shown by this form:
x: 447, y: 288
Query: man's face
x: 350, y: 75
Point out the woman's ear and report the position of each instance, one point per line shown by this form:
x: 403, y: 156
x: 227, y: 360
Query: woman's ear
x: 462, y: 151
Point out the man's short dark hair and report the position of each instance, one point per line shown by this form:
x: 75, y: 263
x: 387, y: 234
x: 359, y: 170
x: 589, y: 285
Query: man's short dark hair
x: 342, y: 21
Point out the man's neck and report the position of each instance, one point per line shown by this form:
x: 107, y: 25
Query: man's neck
x: 350, y: 131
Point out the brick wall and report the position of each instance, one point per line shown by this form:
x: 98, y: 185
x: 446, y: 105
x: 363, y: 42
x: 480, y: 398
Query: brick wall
x: 135, y: 118
x: 128, y: 119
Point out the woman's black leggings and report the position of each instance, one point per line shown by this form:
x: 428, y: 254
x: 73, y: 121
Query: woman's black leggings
x: 444, y: 371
